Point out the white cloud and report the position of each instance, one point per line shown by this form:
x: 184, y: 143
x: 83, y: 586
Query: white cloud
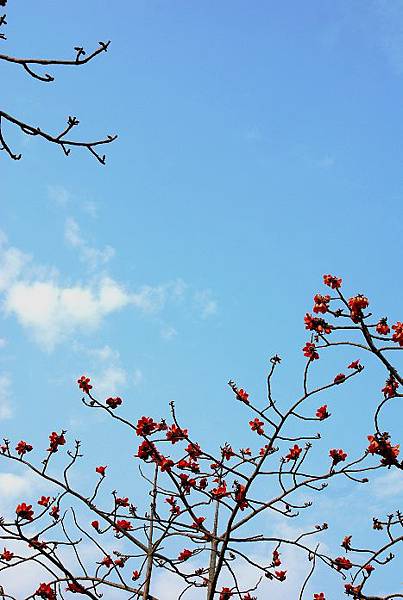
x: 12, y: 486
x: 110, y: 381
x: 59, y: 194
x: 205, y: 303
x: 168, y: 332
x: 5, y: 393
x: 92, y: 256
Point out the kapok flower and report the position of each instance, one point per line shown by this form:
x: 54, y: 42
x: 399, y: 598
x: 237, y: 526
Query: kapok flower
x: 225, y: 593
x: 294, y: 453
x: 317, y: 324
x: 276, y: 558
x: 6, y: 555
x: 256, y: 425
x: 321, y: 303
x: 122, y: 501
x: 220, y: 491
x: 355, y: 365
x: 332, y: 281
x: 146, y: 426
x: 113, y: 402
x: 368, y: 569
x: 175, y: 434
x: 84, y: 384
x: 123, y: 525
x: 342, y: 563
x: 322, y: 413
x: 380, y: 444
x: 337, y: 455
x: 398, y: 335
x: 346, y: 543
x: 281, y: 575
x: 95, y: 525
x: 147, y: 450
x: 76, y: 588
x: 240, y: 496
x: 101, y: 470
x: 340, y: 378
x: 390, y: 388
x: 320, y: 596
x: 185, y: 554
x: 357, y: 304
x: 44, y: 500
x: 24, y: 511
x: 198, y: 522
x: 56, y: 440
x: 54, y: 512
x: 135, y: 575
x: 242, y: 396
x: 382, y: 327
x: 310, y: 351
x: 107, y: 561
x: 22, y: 448
x: 227, y: 452
x: 45, y: 591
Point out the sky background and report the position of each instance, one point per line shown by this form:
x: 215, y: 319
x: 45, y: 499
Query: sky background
x: 259, y: 147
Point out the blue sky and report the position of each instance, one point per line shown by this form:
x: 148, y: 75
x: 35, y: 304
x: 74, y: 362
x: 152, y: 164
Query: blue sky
x: 259, y: 147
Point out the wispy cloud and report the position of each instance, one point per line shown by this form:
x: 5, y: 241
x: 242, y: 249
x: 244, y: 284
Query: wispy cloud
x: 93, y: 257
x: 6, y: 411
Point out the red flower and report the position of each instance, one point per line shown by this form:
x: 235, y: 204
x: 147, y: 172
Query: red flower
x: 174, y: 507
x: 193, y: 450
x: 333, y: 282
x: 175, y: 434
x: 185, y: 554
x: 240, y: 496
x: 322, y: 413
x: 357, y: 304
x: 55, y: 441
x: 54, y: 512
x: 320, y: 596
x: 122, y: 501
x: 339, y: 378
x: 342, y: 563
x: 198, y: 522
x: 35, y: 543
x: 317, y: 324
x: 6, y: 555
x: 123, y: 525
x: 84, y: 384
x: 337, y: 455
x: 113, y: 402
x: 246, y: 451
x: 227, y: 452
x: 45, y: 591
x: 281, y: 575
x: 165, y: 464
x: 44, y: 500
x: 276, y: 558
x: 22, y: 448
x: 256, y: 425
x: 346, y: 543
x: 146, y: 426
x: 119, y: 562
x: 242, y: 395
x: 107, y: 561
x: 352, y: 590
x: 95, y: 525
x: 382, y: 327
x: 101, y: 470
x: 225, y: 593
x: 390, y: 387
x: 398, y: 335
x: 380, y: 444
x: 24, y: 511
x: 293, y: 453
x: 309, y: 350
x: 147, y: 450
x: 220, y: 491
x: 369, y: 569
x: 135, y: 575
x: 76, y: 588
x: 321, y: 303
x: 355, y: 365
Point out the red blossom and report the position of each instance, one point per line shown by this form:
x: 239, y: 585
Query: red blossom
x: 340, y: 378
x: 337, y: 455
x: 165, y: 464
x: 123, y: 525
x: 342, y: 563
x: 146, y: 426
x: 368, y: 569
x: 135, y: 575
x: 95, y: 525
x: 147, y: 450
x: 6, y: 555
x: 240, y: 496
x: 56, y: 440
x: 113, y: 402
x: 398, y: 335
x: 76, y: 588
x: 44, y: 500
x: 35, y: 543
x: 22, y: 448
x: 45, y: 591
x: 227, y: 452
x: 225, y: 593
x: 107, y: 561
x: 101, y: 470
x: 281, y: 575
x: 174, y: 507
x: 198, y: 522
x: 309, y: 350
x: 357, y: 304
x: 320, y: 596
x: 54, y: 512
x: 242, y: 395
x: 276, y: 558
x: 346, y: 543
x: 317, y: 324
x: 382, y: 327
x: 175, y: 434
x: 332, y: 281
x: 84, y: 384
x: 220, y: 491
x: 185, y: 554
x: 391, y: 387
x: 321, y: 303
x: 380, y: 444
x: 352, y: 590
x: 256, y: 425
x: 322, y: 413
x: 355, y: 365
x: 24, y: 511
x: 294, y: 453
x: 122, y: 501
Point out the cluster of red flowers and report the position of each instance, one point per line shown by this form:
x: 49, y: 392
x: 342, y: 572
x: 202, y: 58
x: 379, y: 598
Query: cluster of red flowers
x: 337, y: 455
x: 342, y: 563
x: 24, y: 511
x: 185, y: 554
x: 309, y: 351
x: 146, y: 426
x: 321, y: 303
x: 56, y: 440
x: 176, y: 434
x: 332, y: 281
x: 390, y: 388
x: 382, y: 327
x: 380, y: 444
x: 317, y: 324
x: 22, y: 448
x: 113, y: 402
x: 45, y: 591
x: 357, y: 305
x: 398, y: 335
x: 76, y: 588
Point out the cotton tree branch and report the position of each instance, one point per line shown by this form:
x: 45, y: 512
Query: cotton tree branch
x: 60, y: 140
x: 80, y: 59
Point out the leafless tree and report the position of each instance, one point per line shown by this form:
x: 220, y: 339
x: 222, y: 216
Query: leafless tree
x: 34, y: 68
